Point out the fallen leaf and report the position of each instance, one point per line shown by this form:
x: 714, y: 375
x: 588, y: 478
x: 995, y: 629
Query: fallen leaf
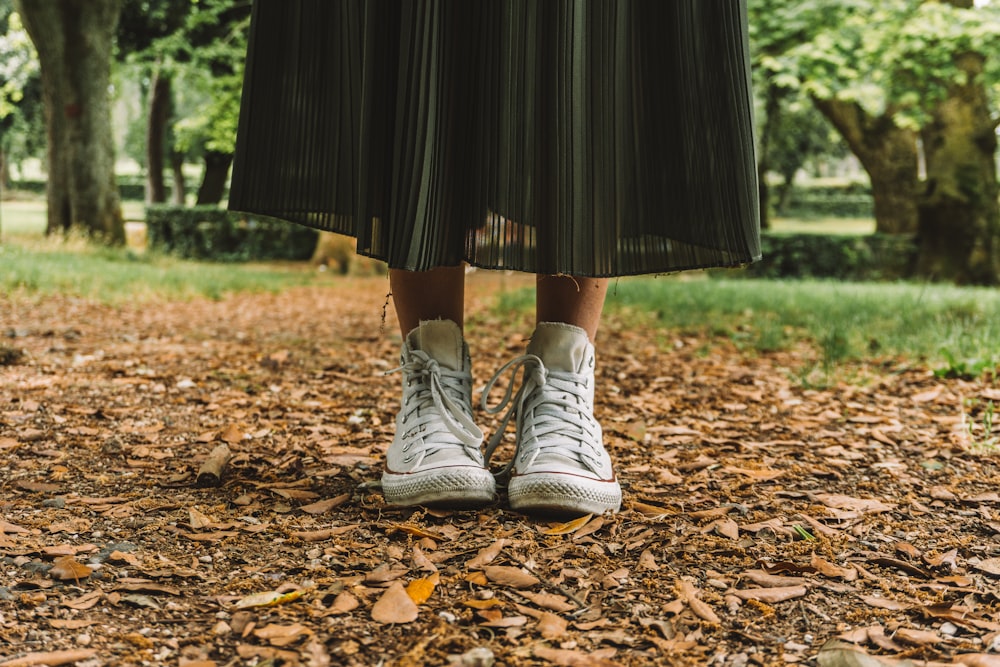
x: 551, y: 626
x: 828, y: 569
x: 198, y: 520
x: 885, y: 603
x: 510, y: 576
x: 323, y: 506
x: 989, y: 566
x: 568, y: 527
x: 838, y: 654
x: 420, y: 590
x: 486, y: 555
x: 571, y: 658
x: 838, y: 501
x: 917, y: 637
x: 548, y: 601
x: 282, y: 635
x: 344, y: 603
x: 395, y: 606
x: 268, y: 599
x: 50, y: 658
x: 771, y: 595
x: 232, y: 434
x: 67, y: 568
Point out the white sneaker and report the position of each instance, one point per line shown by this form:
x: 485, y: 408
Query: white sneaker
x: 435, y: 456
x: 560, y: 465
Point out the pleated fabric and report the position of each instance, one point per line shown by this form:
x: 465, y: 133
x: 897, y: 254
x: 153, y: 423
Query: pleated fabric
x: 580, y: 137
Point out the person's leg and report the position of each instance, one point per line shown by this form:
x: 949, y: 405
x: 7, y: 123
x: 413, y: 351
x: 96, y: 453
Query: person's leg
x: 571, y: 300
x: 435, y: 456
x: 438, y: 294
x: 560, y: 464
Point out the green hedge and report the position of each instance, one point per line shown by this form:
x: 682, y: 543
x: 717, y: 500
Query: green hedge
x: 207, y: 232
x: 872, y: 257
x: 129, y: 187
x: 828, y: 203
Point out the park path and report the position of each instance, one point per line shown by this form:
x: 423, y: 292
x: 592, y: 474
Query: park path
x: 765, y: 520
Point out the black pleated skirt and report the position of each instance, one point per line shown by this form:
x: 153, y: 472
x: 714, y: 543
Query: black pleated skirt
x: 580, y: 137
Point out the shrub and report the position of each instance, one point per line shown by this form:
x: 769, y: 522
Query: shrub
x: 207, y: 232
x: 872, y: 257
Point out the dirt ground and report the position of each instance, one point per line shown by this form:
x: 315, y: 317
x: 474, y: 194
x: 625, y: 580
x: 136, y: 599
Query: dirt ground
x: 764, y: 522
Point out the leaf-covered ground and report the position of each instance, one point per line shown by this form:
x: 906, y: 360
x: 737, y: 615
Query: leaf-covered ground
x: 764, y: 521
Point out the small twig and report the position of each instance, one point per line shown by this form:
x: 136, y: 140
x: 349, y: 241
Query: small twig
x: 211, y: 471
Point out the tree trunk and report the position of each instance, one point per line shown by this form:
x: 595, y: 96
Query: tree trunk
x: 889, y: 154
x: 156, y: 129
x: 177, y: 169
x: 74, y: 40
x: 213, y: 183
x: 772, y: 109
x: 959, y: 215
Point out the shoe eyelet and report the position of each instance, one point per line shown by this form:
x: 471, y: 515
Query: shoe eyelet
x: 407, y: 446
x: 408, y: 459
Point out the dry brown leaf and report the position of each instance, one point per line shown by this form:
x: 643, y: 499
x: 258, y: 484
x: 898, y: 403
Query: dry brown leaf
x: 510, y: 576
x: 989, y: 566
x: 198, y: 520
x: 885, y: 603
x: 232, y: 434
x: 489, y: 603
x: 420, y: 590
x: 295, y: 494
x: 828, y: 569
x: 67, y: 568
x: 84, y: 602
x: 647, y: 561
x: 421, y: 561
x: 323, y: 534
x: 917, y: 637
x: 282, y: 635
x: 650, y: 511
x: 551, y: 626
x: 505, y: 622
x: 692, y: 596
x: 385, y: 573
x: 767, y: 580
x: 71, y: 623
x: 50, y: 658
x: 572, y: 658
x: 568, y: 527
x: 323, y: 506
x: 395, y: 606
x: 838, y: 654
x: 486, y: 555
x: 771, y: 595
x: 548, y: 601
x: 839, y: 501
x: 590, y: 528
x: 344, y: 603
x: 978, y: 659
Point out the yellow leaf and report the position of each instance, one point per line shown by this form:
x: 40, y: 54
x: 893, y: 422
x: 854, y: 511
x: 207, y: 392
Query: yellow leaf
x: 568, y: 527
x: 420, y: 590
x: 483, y: 604
x: 268, y: 599
x: 417, y: 531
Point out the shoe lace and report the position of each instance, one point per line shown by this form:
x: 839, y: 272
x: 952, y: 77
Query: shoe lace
x: 551, y: 409
x: 439, y: 400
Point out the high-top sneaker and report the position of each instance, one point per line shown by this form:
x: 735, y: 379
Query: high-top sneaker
x: 435, y: 456
x: 560, y: 465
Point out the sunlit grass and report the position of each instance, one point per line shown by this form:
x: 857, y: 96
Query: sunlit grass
x: 75, y: 267
x: 947, y: 326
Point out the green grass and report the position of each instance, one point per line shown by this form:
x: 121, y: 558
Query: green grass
x: 26, y: 217
x: 859, y: 226
x: 118, y: 275
x: 952, y: 328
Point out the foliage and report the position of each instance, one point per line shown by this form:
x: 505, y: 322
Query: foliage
x: 206, y: 232
x: 827, y: 203
x: 21, y: 120
x: 201, y: 46
x: 894, y: 57
x: 841, y: 257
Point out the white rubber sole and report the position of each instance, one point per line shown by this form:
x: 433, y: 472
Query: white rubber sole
x: 561, y: 494
x: 454, y: 487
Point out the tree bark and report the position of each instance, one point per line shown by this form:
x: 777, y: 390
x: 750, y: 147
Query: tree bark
x: 213, y: 183
x: 74, y: 40
x: 772, y: 110
x: 156, y: 129
x: 959, y: 216
x: 888, y: 153
x: 177, y: 169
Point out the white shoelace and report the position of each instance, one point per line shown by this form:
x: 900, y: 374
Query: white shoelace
x: 442, y: 389
x: 551, y: 408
